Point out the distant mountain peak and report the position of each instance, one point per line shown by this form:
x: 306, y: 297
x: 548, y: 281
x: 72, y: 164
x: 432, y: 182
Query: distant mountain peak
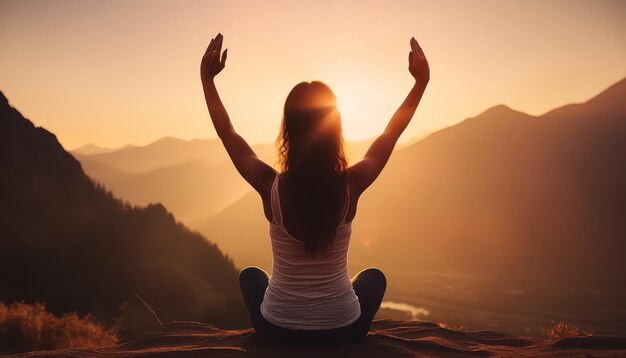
x: 500, y: 107
x: 500, y: 111
x: 168, y: 139
x: 91, y: 148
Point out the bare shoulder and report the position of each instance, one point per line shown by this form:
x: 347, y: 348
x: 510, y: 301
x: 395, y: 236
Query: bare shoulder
x: 355, y: 188
x: 268, y: 182
x: 266, y: 194
x: 362, y: 174
x: 355, y: 184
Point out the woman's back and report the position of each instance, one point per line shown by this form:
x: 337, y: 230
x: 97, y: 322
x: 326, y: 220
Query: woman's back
x: 304, y: 292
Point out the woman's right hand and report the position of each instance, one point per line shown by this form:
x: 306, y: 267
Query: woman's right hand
x: 211, y: 64
x: 418, y: 65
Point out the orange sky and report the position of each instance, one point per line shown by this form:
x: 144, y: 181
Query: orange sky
x: 120, y: 72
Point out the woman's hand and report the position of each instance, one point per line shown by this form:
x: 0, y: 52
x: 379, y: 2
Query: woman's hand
x: 211, y: 64
x: 418, y: 65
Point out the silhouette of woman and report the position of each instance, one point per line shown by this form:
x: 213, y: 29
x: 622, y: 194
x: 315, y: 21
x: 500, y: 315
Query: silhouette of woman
x: 310, y: 205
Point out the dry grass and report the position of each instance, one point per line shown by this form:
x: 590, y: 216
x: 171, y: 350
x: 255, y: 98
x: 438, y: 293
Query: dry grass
x: 26, y: 327
x: 565, y: 330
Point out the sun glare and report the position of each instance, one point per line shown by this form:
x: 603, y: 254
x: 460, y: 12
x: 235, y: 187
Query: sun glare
x: 366, y: 98
x: 357, y: 109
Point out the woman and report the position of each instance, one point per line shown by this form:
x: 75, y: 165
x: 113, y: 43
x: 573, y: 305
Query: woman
x: 310, y: 205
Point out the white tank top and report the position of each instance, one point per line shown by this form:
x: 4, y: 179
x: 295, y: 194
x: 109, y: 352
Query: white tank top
x: 305, y: 293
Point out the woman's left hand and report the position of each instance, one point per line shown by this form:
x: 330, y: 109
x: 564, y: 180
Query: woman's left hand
x: 211, y: 64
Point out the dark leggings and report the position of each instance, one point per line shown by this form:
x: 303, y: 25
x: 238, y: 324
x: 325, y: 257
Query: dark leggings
x: 369, y: 286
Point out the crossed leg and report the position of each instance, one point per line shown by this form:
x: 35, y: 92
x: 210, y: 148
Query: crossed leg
x: 369, y: 285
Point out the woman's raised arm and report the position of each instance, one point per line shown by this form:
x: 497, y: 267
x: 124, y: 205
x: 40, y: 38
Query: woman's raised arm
x: 256, y: 172
x: 363, y: 173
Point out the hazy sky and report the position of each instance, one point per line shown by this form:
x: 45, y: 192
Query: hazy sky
x: 120, y: 72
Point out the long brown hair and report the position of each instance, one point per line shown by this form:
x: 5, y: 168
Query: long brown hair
x: 313, y: 163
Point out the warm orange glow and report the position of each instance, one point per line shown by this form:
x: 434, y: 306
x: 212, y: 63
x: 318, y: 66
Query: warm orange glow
x: 491, y: 224
x: 358, y: 110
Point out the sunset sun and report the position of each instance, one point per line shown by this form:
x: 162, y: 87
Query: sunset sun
x: 361, y: 113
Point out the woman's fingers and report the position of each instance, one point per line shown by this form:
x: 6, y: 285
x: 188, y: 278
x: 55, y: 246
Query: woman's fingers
x: 215, y: 45
x: 218, y: 48
x: 416, y: 47
x: 418, y: 65
x: 208, y: 49
x: 224, y: 54
x: 214, y: 50
x: 211, y: 63
x: 218, y: 44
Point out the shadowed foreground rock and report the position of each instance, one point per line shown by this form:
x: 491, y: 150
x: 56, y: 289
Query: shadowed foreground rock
x: 387, y: 338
